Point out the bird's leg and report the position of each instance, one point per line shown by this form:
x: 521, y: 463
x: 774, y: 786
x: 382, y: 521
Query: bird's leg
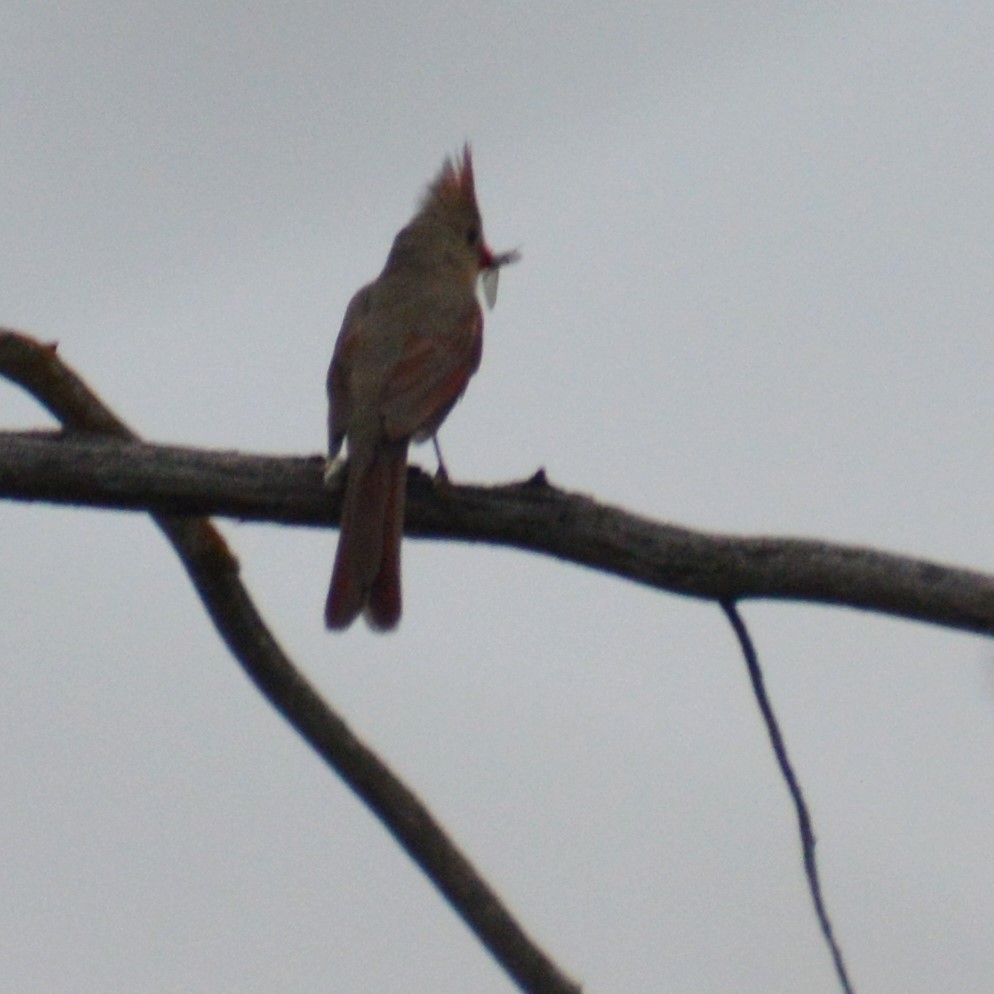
x: 441, y: 474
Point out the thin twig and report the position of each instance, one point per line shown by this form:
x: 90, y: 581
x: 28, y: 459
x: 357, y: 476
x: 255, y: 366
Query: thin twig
x: 804, y: 825
x: 214, y: 572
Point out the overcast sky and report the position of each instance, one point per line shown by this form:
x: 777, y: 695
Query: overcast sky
x: 756, y: 297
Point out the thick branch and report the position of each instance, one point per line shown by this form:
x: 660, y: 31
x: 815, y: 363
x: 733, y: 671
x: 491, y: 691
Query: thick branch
x: 214, y: 572
x: 88, y: 470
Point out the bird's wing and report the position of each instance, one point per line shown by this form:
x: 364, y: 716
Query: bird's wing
x: 429, y: 376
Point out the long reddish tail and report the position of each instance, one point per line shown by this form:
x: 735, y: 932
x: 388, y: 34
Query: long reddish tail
x: 366, y: 577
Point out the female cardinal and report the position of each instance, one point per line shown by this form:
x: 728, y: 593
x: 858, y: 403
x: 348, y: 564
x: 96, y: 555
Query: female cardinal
x: 408, y: 345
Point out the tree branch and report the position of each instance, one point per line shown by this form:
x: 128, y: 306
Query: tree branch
x: 84, y: 469
x: 214, y: 572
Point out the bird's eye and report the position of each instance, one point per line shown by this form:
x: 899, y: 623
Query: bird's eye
x: 472, y: 235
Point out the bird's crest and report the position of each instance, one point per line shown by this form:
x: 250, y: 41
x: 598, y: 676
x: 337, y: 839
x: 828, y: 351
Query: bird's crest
x: 453, y: 187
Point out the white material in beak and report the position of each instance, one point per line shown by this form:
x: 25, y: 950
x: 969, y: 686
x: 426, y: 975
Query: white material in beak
x: 491, y: 275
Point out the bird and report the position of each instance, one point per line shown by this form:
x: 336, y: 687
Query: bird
x: 409, y: 343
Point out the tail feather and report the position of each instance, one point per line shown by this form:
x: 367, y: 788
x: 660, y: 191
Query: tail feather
x: 384, y: 604
x: 367, y: 564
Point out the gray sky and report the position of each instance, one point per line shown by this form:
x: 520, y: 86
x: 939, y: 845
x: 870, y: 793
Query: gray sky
x: 756, y: 296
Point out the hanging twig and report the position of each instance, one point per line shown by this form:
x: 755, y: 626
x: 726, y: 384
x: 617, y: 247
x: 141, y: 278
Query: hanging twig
x: 804, y: 825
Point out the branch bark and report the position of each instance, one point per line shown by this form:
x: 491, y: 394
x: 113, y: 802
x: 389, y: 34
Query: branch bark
x: 99, y: 462
x: 214, y: 572
x: 85, y: 469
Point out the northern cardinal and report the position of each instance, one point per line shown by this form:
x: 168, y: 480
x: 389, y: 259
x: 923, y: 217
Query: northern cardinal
x: 408, y: 345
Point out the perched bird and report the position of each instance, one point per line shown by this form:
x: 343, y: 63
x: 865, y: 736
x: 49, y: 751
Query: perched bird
x: 407, y: 347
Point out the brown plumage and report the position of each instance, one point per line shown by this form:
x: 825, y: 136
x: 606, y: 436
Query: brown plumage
x: 408, y: 345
